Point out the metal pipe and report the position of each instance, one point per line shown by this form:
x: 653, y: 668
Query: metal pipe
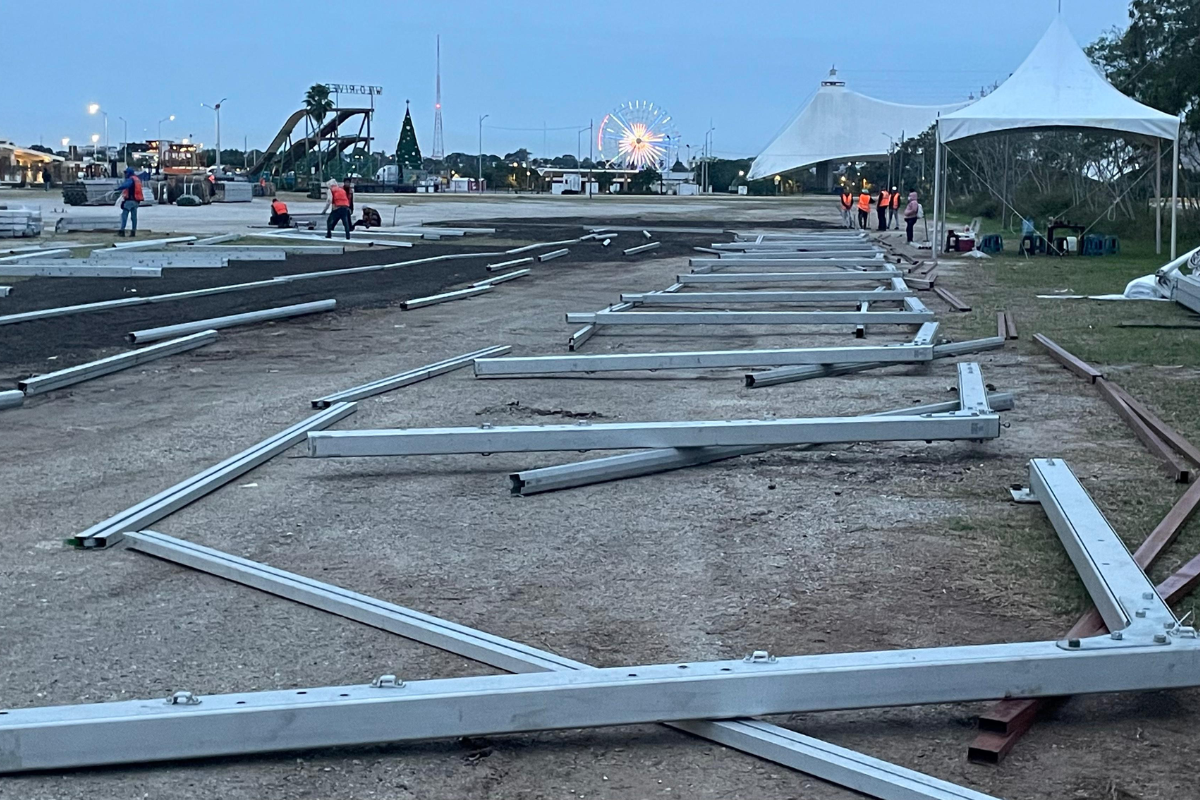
x: 105, y: 366
x: 445, y: 297
x: 249, y: 318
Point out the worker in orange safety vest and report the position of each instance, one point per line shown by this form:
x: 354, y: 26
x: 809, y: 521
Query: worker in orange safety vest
x: 279, y: 214
x: 847, y: 206
x: 893, y: 211
x: 864, y: 208
x: 340, y: 200
x: 882, y: 203
x: 131, y: 199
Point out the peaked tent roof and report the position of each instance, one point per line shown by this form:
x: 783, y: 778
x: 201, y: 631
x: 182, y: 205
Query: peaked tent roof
x: 1057, y: 86
x: 841, y: 125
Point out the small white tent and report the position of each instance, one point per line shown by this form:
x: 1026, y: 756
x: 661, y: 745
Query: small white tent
x: 842, y: 125
x: 1057, y: 86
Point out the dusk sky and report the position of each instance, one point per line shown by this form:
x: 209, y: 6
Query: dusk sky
x: 747, y: 66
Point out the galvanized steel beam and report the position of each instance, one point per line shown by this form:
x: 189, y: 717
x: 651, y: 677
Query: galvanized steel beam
x: 94, y: 369
x: 249, y: 318
x: 751, y: 317
x: 409, y: 377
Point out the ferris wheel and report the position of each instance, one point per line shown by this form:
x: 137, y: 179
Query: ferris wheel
x: 638, y: 135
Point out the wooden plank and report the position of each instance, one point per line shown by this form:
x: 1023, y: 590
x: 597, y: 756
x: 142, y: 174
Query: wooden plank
x: 1160, y: 428
x: 1006, y: 722
x: 1172, y: 464
x: 1001, y: 325
x: 954, y: 302
x: 924, y: 284
x: 1011, y: 324
x: 1078, y: 366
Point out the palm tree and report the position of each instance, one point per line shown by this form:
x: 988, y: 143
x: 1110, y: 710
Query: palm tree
x: 317, y: 105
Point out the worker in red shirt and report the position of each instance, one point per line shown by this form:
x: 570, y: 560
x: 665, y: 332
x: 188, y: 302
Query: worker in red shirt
x: 340, y: 201
x: 847, y: 205
x: 864, y: 208
x: 131, y: 199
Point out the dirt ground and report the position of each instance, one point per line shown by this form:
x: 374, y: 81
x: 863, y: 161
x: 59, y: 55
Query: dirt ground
x: 859, y: 547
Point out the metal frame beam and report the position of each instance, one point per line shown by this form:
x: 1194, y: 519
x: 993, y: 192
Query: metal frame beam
x: 823, y: 760
x: 105, y: 366
x: 720, y: 298
x: 249, y: 318
x: 861, y: 276
x: 168, y: 501
x: 649, y: 462
x: 408, y: 377
x: 751, y: 317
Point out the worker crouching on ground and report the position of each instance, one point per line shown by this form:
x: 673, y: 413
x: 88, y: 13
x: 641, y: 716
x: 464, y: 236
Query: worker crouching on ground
x: 131, y: 198
x: 847, y: 208
x: 911, y: 212
x: 864, y: 208
x: 339, y: 199
x: 280, y: 218
x: 882, y: 203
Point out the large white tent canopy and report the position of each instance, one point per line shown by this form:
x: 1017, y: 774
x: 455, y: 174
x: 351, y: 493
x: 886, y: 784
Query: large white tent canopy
x: 841, y: 125
x: 1057, y: 86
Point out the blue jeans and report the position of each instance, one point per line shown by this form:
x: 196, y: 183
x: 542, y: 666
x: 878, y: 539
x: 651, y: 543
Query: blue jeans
x: 129, y: 210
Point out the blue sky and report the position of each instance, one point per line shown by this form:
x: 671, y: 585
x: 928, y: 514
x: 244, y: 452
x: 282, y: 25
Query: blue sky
x: 747, y: 66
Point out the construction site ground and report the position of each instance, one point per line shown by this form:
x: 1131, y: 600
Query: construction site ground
x: 838, y: 548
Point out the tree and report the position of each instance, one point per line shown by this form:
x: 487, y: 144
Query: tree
x: 408, y: 153
x: 645, y: 181
x: 41, y: 149
x: 317, y: 105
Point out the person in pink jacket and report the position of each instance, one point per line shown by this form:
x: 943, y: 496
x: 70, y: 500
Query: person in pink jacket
x: 911, y: 211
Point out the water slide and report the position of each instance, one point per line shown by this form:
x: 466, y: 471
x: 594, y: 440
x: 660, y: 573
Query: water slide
x: 288, y: 157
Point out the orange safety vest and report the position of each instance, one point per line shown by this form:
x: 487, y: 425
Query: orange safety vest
x: 864, y: 201
x: 135, y: 191
x: 885, y: 198
x: 339, y: 197
x: 847, y: 201
x: 896, y: 200
x: 279, y: 207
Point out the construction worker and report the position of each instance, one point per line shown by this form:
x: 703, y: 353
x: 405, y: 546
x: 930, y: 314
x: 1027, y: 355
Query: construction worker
x: 279, y: 214
x: 893, y: 214
x: 882, y: 204
x: 341, y: 209
x: 847, y: 207
x: 864, y: 207
x: 131, y: 198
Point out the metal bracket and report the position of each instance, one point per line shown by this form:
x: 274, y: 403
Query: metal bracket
x: 387, y: 682
x: 183, y: 699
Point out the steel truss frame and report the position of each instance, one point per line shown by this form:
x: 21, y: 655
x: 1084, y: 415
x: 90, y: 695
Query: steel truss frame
x: 973, y: 423
x: 1148, y: 649
x: 921, y: 349
x: 737, y: 298
x: 913, y: 314
x: 649, y: 462
x: 839, y: 276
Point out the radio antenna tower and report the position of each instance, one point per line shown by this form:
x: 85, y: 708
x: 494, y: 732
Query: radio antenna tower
x: 439, y: 147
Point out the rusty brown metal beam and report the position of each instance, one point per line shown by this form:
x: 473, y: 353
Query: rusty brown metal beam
x: 951, y: 300
x: 1160, y: 428
x: 1175, y: 467
x: 1076, y: 365
x: 1011, y: 324
x: 1001, y: 325
x: 1003, y: 725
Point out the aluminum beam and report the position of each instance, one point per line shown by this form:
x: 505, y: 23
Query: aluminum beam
x: 1126, y: 599
x: 553, y: 254
x: 862, y: 276
x: 38, y: 253
x: 537, y: 245
x: 105, y: 366
x: 445, y: 297
x: 168, y: 501
x: 648, y: 462
x: 719, y: 298
x: 352, y: 241
x: 391, y: 710
x: 539, y: 366
x: 409, y: 377
x: 642, y: 248
x: 241, y: 249
x: 725, y: 263
x: 142, y: 244
x: 516, y: 262
x: 76, y: 271
x: 219, y: 239
x: 751, y: 317
x: 249, y: 318
x: 774, y: 377
x: 12, y: 398
x: 646, y: 435
x: 812, y: 756
x: 5, y: 291
x: 505, y: 278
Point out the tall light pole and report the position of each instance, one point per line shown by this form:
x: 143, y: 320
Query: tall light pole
x: 578, y: 149
x: 217, y: 108
x: 161, y: 151
x: 92, y: 109
x: 481, y: 119
x: 125, y: 142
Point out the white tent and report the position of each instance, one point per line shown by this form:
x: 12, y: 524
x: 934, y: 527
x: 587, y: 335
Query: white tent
x: 841, y: 125
x: 1057, y: 86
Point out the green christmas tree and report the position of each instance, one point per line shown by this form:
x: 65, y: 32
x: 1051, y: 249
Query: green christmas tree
x: 408, y: 152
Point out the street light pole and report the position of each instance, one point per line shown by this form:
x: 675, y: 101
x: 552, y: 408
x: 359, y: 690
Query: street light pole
x: 217, y: 109
x: 160, y: 139
x: 125, y: 143
x: 481, y: 119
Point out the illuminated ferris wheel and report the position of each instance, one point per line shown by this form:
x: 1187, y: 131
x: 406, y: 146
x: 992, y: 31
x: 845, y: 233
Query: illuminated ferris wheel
x: 638, y: 135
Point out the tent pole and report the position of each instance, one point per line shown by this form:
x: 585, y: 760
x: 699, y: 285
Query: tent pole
x: 1174, y: 193
x: 937, y: 179
x: 945, y: 182
x: 1158, y: 196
